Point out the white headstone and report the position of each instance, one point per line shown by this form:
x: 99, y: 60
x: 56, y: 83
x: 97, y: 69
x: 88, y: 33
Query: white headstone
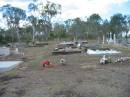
x: 114, y: 39
x: 103, y: 39
x: 110, y: 40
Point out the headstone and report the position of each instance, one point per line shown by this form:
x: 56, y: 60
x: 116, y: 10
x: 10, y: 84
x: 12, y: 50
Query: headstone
x: 110, y: 40
x: 114, y: 39
x: 103, y: 39
x: 14, y: 51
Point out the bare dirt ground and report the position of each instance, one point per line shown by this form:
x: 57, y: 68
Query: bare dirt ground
x: 83, y: 76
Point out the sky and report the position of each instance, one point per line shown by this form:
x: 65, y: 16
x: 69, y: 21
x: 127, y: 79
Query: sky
x: 81, y: 8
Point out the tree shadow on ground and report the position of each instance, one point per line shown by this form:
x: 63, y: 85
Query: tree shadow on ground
x: 20, y: 92
x: 2, y: 91
x: 8, y: 78
x: 67, y: 93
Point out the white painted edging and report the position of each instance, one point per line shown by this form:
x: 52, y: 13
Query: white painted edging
x: 8, y: 65
x: 98, y: 52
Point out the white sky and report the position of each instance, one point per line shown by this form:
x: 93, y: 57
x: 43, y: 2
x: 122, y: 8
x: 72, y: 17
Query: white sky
x: 82, y: 8
x: 79, y: 8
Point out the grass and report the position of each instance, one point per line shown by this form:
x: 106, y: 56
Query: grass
x: 123, y: 49
x: 7, y: 76
x: 58, y: 81
x: 38, y: 55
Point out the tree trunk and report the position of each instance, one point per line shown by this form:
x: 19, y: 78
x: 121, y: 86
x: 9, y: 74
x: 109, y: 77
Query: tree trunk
x: 33, y: 37
x: 18, y: 35
x: 20, y: 47
x: 46, y: 36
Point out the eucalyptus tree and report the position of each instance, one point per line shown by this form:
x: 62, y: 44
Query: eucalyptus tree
x: 105, y: 27
x: 128, y: 26
x: 13, y: 16
x: 33, y: 21
x: 59, y: 31
x: 118, y: 24
x: 47, y: 12
x: 51, y: 9
x: 94, y: 24
x: 32, y: 7
x: 78, y: 28
x: 2, y: 35
x: 68, y: 24
x: 41, y: 29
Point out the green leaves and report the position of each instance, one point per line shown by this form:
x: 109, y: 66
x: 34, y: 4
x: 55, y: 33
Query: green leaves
x: 13, y: 14
x: 118, y: 23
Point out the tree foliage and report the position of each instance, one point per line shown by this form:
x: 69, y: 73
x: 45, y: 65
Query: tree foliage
x: 42, y: 28
x: 13, y: 16
x: 118, y: 24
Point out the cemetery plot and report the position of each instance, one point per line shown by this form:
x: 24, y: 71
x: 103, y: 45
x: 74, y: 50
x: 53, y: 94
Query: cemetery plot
x: 82, y: 75
x: 66, y: 48
x: 37, y: 44
x: 8, y: 65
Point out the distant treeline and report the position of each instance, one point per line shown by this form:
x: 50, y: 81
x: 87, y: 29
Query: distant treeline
x: 41, y: 28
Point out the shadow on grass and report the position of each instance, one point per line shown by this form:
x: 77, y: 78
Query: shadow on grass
x: 20, y: 92
x: 68, y: 93
x: 2, y: 91
x: 8, y: 78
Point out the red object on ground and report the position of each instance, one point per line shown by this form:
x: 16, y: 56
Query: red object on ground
x: 46, y: 62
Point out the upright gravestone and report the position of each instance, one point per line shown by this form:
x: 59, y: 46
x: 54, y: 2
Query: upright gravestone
x: 103, y: 39
x: 110, y: 40
x: 114, y: 39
